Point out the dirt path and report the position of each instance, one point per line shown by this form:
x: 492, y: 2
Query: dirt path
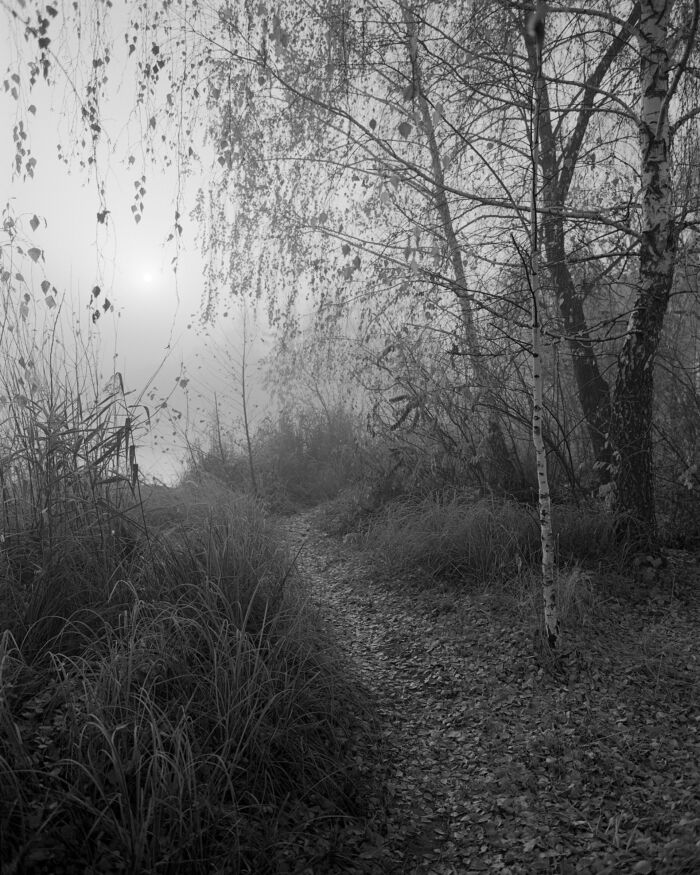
x: 429, y: 661
x: 492, y: 763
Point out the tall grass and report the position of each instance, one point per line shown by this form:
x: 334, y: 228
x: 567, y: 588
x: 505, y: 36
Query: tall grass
x: 482, y: 540
x: 175, y: 728
x: 168, y: 700
x: 174, y: 712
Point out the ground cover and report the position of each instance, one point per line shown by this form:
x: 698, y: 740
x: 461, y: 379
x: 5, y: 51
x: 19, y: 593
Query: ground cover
x: 170, y: 707
x: 277, y: 699
x: 492, y: 756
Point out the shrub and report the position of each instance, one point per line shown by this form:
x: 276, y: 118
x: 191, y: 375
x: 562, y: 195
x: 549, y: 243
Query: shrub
x: 299, y: 459
x: 309, y: 456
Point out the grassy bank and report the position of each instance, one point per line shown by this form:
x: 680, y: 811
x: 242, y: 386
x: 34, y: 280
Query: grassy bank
x: 455, y: 543
x: 169, y: 701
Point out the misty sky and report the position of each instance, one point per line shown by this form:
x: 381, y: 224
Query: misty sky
x: 131, y: 263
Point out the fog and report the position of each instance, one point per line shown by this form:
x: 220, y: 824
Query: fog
x: 150, y: 331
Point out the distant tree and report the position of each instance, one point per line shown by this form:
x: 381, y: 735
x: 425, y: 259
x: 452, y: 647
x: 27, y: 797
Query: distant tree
x: 231, y: 434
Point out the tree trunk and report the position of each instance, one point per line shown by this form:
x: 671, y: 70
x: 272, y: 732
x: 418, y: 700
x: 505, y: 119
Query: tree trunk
x: 631, y: 424
x: 551, y: 614
x: 470, y: 335
x: 557, y: 173
x: 592, y: 388
x: 244, y: 404
x: 442, y: 205
x: 549, y: 595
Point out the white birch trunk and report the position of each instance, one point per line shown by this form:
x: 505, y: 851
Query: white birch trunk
x: 551, y: 616
x: 632, y: 410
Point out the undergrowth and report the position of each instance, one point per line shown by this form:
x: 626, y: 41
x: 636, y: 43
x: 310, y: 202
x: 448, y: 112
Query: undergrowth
x: 482, y: 539
x: 300, y: 458
x: 169, y: 701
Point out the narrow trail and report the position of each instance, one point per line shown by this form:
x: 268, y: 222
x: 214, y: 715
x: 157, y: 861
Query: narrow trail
x: 490, y: 761
x: 430, y: 662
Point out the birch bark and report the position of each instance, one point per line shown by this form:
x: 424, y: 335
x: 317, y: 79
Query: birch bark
x: 631, y: 421
x: 551, y: 614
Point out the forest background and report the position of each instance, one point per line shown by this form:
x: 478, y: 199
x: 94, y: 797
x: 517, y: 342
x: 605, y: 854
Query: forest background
x: 375, y: 160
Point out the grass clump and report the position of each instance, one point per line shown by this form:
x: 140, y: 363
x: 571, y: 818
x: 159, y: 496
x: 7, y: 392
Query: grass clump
x: 578, y: 598
x: 450, y: 537
x: 194, y: 718
x: 169, y: 702
x: 482, y: 540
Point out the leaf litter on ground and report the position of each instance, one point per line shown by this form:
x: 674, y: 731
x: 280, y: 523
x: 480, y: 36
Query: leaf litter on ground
x: 492, y: 757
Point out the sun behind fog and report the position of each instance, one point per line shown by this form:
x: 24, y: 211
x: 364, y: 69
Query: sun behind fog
x: 150, y: 278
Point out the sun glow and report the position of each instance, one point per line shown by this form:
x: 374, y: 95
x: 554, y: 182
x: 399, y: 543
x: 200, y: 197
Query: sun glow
x: 145, y: 280
x: 148, y: 278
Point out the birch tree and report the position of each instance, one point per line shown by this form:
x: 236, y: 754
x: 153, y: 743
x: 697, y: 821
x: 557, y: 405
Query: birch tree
x: 376, y: 155
x: 559, y: 155
x: 654, y: 224
x: 536, y: 31
x: 660, y: 226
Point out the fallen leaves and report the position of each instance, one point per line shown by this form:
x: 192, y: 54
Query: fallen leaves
x: 494, y: 762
